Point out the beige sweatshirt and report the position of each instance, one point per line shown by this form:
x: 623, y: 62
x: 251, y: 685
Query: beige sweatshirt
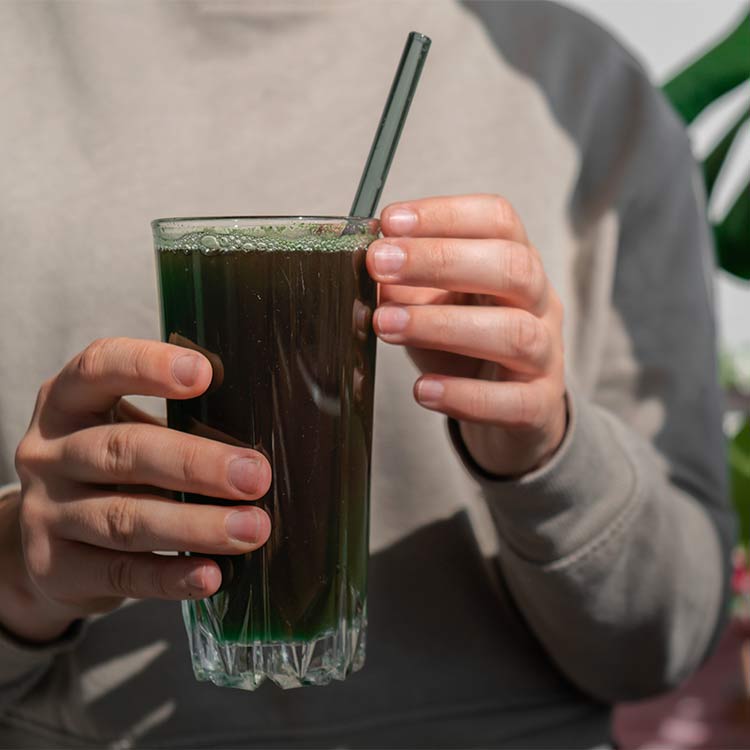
x: 502, y: 613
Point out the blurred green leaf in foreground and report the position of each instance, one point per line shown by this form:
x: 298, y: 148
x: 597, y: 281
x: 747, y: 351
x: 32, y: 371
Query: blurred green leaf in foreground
x: 720, y: 70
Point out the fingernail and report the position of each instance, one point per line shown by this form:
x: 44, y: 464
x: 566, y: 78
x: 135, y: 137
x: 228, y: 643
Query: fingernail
x: 387, y: 259
x: 401, y: 220
x: 186, y: 368
x: 392, y: 319
x: 243, y: 474
x: 429, y: 392
x: 243, y: 525
x: 204, y: 580
x: 196, y: 579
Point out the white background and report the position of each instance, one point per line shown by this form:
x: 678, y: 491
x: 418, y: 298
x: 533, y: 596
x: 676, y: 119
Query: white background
x: 665, y: 35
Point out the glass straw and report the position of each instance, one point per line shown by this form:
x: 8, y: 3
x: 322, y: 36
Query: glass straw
x: 391, y: 124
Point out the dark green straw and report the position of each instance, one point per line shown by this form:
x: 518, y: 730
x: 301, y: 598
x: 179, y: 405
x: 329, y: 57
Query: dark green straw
x: 391, y: 124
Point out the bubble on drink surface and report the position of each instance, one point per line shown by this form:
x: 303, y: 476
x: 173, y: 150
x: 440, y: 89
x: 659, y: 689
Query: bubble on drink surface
x: 299, y: 236
x: 210, y: 242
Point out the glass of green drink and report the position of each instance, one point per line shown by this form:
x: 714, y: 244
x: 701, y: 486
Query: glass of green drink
x: 282, y: 308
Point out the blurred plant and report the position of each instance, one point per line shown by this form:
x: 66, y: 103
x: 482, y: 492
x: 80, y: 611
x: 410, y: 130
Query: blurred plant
x: 739, y: 462
x: 735, y: 376
x: 719, y: 71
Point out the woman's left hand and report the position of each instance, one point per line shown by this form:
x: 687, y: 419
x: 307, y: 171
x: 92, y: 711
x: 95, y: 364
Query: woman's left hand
x: 464, y: 290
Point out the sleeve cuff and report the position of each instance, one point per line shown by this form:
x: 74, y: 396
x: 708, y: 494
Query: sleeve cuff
x: 19, y: 658
x: 556, y: 510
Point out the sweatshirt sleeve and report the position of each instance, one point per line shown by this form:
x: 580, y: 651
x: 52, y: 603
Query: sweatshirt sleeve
x: 23, y: 663
x: 616, y: 563
x: 617, y: 551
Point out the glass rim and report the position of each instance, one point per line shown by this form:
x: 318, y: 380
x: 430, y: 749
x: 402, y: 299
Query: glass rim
x: 273, y: 218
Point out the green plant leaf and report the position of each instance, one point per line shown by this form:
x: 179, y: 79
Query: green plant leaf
x: 719, y: 70
x: 739, y: 464
x: 732, y: 237
x: 713, y: 162
x: 727, y: 370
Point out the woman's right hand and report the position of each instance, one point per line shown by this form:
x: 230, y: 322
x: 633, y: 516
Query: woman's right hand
x: 85, y: 544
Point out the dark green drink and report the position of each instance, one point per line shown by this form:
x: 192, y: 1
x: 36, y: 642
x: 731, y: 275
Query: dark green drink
x: 282, y: 308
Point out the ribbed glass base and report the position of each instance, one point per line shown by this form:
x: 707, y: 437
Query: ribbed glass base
x: 291, y: 664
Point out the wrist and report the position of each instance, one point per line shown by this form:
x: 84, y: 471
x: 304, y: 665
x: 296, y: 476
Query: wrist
x: 504, y: 455
x: 24, y: 611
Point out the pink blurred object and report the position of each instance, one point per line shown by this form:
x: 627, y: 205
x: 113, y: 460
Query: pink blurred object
x: 710, y: 711
x: 740, y: 572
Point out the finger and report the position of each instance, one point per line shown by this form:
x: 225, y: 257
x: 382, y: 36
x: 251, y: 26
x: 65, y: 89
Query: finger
x: 145, y: 523
x: 79, y: 572
x: 501, y: 268
x: 512, y: 405
x: 126, y: 412
x: 106, y: 369
x: 145, y: 454
x: 507, y: 335
x: 217, y: 366
x: 467, y: 216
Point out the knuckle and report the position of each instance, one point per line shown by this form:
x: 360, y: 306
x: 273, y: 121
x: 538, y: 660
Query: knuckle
x: 37, y: 558
x: 479, y: 403
x: 189, y: 462
x: 44, y: 391
x: 528, y: 411
x: 119, y: 452
x: 140, y: 360
x: 158, y: 582
x: 121, y: 575
x: 29, y: 455
x: 526, y: 337
x: 122, y: 522
x: 90, y: 362
x: 522, y: 269
x: 537, y: 284
x: 540, y: 351
x: 32, y: 515
x: 441, y: 260
x: 442, y: 326
x: 503, y: 214
x: 449, y: 217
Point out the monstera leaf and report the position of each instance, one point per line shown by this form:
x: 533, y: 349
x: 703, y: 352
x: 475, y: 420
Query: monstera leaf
x: 720, y: 70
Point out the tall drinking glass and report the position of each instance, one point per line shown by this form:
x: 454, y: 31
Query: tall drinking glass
x: 282, y: 308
